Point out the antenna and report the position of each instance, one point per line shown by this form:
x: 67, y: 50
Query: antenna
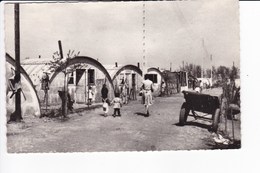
x: 144, y: 57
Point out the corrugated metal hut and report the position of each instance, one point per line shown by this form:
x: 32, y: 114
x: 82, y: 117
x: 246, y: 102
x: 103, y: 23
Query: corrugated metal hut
x: 91, y: 73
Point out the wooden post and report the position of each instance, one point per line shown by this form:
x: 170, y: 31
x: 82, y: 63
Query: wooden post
x: 60, y: 48
x: 88, y: 88
x: 233, y: 129
x: 202, y: 72
x: 65, y: 99
x: 18, y: 114
x: 211, y: 71
x: 85, y: 86
x: 65, y: 107
x: 46, y: 100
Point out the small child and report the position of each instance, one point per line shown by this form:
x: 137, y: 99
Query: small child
x: 90, y: 95
x: 117, y: 105
x: 105, y: 107
x: 198, y: 88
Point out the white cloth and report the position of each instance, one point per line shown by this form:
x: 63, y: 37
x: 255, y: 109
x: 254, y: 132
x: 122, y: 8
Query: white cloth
x: 90, y: 94
x: 147, y: 84
x: 147, y: 92
x: 197, y: 89
x: 117, y: 102
x: 105, y: 107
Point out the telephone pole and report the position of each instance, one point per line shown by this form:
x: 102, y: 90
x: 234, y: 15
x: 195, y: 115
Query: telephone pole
x: 202, y: 68
x: 65, y: 99
x: 18, y: 115
x: 211, y: 71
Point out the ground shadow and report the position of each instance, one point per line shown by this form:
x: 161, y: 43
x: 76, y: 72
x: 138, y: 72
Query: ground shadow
x: 140, y: 114
x: 192, y: 123
x: 103, y: 115
x: 236, y: 144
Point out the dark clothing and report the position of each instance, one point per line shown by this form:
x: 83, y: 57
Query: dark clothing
x: 117, y: 110
x: 117, y: 91
x: 69, y: 100
x: 104, y: 92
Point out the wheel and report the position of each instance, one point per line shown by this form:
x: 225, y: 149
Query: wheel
x: 183, y: 114
x: 216, y: 120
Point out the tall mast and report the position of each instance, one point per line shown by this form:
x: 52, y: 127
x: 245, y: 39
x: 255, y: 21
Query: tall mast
x: 144, y: 63
x: 202, y: 66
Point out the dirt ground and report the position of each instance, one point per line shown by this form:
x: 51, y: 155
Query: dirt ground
x: 90, y: 131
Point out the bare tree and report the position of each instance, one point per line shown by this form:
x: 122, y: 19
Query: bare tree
x: 62, y: 64
x: 192, y: 69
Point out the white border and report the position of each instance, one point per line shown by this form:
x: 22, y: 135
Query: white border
x: 243, y: 160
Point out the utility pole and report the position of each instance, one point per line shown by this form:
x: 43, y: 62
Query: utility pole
x: 88, y: 88
x: 18, y: 114
x: 65, y: 99
x: 202, y: 68
x: 211, y: 70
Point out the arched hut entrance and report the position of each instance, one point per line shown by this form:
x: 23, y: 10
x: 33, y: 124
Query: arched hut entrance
x: 30, y: 101
x: 156, y: 76
x: 92, y: 73
x: 130, y: 74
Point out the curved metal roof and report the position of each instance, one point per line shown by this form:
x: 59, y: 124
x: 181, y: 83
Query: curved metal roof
x: 86, y: 60
x: 127, y: 67
x: 157, y: 70
x: 11, y: 61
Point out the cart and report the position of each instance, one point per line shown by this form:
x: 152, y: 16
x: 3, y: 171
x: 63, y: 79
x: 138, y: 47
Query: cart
x: 197, y: 102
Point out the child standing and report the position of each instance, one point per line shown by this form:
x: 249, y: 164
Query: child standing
x: 117, y: 105
x: 105, y: 107
x: 90, y: 95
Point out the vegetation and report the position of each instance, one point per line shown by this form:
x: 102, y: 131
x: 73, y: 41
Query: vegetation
x: 58, y: 63
x: 219, y: 74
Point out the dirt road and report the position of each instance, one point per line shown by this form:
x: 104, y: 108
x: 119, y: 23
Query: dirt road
x: 90, y: 131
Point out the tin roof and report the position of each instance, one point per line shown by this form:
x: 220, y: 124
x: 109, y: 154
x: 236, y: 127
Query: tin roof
x: 112, y: 69
x: 35, y: 68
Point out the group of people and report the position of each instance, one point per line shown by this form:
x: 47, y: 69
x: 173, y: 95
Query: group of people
x: 117, y: 102
x: 145, y: 90
x: 198, y: 86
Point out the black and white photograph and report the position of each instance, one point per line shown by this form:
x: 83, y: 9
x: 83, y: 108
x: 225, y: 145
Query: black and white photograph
x: 122, y: 76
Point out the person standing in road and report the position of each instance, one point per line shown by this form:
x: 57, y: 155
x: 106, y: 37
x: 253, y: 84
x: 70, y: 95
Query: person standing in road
x: 90, y: 95
x: 147, y: 89
x: 104, y: 95
x: 104, y: 92
x: 198, y: 88
x: 163, y: 85
x: 117, y: 102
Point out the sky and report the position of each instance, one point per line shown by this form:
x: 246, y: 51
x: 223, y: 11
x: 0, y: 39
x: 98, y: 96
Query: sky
x: 113, y: 31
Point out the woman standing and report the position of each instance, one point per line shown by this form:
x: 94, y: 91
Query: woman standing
x: 147, y: 89
x: 104, y: 94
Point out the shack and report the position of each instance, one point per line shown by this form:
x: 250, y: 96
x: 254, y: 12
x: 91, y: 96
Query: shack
x: 30, y: 103
x: 126, y: 75
x: 156, y: 76
x: 176, y: 82
x: 90, y: 74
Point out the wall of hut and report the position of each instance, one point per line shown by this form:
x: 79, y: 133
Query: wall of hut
x: 133, y: 81
x: 29, y: 100
x: 79, y: 82
x: 172, y: 81
x: 156, y: 78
